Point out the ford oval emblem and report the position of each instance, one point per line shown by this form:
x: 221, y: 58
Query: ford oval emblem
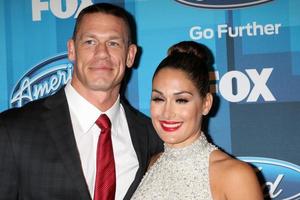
x: 42, y: 80
x: 217, y: 4
x: 282, y: 179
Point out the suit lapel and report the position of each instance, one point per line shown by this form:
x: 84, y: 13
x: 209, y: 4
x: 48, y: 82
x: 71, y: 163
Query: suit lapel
x: 136, y: 127
x: 140, y: 142
x: 58, y: 122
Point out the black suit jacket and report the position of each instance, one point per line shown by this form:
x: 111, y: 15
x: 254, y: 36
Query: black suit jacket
x: 39, y: 157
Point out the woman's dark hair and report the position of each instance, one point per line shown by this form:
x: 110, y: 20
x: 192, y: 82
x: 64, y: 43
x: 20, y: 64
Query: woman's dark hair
x: 191, y: 58
x: 109, y: 9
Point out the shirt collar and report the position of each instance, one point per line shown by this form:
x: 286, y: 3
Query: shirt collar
x: 85, y: 112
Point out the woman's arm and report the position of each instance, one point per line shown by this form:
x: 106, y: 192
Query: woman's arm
x: 241, y: 182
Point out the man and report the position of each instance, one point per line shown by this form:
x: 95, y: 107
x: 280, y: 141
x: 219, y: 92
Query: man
x: 48, y: 148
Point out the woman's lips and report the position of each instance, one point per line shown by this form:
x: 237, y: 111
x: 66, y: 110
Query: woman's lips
x: 170, y: 126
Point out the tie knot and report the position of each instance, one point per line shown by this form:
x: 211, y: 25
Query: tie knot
x: 103, y: 122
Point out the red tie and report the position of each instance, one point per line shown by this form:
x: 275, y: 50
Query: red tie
x: 105, y: 185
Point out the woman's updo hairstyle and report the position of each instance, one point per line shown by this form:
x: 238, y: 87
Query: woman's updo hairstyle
x: 191, y: 58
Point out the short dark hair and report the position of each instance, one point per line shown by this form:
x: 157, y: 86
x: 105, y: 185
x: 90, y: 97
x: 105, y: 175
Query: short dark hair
x: 109, y: 9
x: 191, y: 58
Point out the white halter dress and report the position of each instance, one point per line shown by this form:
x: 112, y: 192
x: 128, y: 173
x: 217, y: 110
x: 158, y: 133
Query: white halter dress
x: 179, y: 173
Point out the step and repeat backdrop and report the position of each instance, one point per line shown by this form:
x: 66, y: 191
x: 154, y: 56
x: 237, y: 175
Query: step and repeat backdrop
x: 255, y: 77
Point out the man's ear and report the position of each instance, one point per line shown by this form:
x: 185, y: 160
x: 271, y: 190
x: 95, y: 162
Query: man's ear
x: 207, y: 103
x: 132, y: 49
x: 71, y: 50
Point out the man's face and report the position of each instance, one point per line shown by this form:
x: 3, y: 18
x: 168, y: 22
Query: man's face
x: 100, y: 54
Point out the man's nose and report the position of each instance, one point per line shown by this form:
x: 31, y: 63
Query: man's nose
x: 102, y: 50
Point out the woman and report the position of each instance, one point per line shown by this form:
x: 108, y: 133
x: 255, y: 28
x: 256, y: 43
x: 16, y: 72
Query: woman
x: 190, y: 167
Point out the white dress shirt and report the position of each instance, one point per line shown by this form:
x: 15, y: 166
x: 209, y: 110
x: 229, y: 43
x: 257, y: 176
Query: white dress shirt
x: 83, y: 116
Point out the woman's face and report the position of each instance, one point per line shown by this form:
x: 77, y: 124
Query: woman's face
x: 177, y: 107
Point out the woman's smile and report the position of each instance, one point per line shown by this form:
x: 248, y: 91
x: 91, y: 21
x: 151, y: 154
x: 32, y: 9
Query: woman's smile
x: 170, y: 126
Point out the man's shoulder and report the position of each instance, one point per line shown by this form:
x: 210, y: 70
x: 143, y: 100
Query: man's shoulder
x: 24, y: 110
x: 29, y: 109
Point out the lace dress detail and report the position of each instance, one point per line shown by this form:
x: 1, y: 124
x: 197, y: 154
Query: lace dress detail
x: 179, y: 173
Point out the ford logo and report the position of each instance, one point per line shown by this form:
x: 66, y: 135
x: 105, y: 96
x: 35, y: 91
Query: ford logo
x: 217, y: 4
x: 42, y: 80
x: 282, y: 179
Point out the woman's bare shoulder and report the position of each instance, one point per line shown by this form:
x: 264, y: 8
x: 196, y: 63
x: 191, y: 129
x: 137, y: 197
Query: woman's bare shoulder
x: 227, y: 165
x: 232, y: 178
